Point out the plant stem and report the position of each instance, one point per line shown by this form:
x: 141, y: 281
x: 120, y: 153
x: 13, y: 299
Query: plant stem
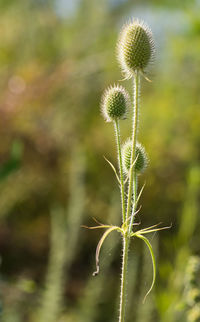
x: 117, y: 130
x: 134, y: 201
x: 124, y: 278
x: 134, y: 139
x: 132, y: 189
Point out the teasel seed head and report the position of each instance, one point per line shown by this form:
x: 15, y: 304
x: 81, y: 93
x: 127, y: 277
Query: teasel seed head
x: 142, y: 160
x: 115, y: 103
x: 135, y: 48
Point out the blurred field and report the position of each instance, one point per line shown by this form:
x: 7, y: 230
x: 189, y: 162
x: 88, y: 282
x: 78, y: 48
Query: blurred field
x: 56, y: 58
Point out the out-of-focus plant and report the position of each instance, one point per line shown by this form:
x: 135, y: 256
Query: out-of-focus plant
x: 172, y: 300
x: 192, y: 289
x: 16, y: 299
x: 14, y: 162
x: 51, y: 301
x: 65, y: 226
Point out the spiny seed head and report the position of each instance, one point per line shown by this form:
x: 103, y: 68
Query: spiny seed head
x: 142, y: 160
x: 115, y: 103
x: 136, y: 48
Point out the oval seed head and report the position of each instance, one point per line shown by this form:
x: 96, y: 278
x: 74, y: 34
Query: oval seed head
x: 136, y: 48
x: 115, y: 103
x: 142, y: 160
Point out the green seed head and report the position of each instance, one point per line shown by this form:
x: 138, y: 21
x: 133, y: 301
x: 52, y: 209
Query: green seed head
x: 115, y: 103
x: 141, y: 162
x: 135, y: 48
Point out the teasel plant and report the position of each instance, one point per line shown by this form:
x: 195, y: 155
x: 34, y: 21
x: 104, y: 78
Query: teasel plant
x: 135, y: 52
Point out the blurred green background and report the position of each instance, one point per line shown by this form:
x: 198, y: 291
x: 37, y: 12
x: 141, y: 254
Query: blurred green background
x: 56, y: 58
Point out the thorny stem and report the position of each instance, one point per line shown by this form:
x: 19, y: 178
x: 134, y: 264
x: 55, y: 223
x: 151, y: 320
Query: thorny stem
x: 132, y: 190
x: 134, y: 139
x: 117, y: 130
x: 123, y: 279
x: 134, y: 201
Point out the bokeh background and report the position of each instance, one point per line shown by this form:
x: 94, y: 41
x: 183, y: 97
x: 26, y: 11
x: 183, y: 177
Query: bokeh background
x: 56, y: 58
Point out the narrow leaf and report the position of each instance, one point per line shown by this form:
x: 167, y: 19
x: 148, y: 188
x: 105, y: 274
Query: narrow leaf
x: 96, y: 227
x: 115, y: 171
x: 150, y: 227
x: 145, y: 77
x: 140, y: 193
x: 100, y: 243
x: 153, y: 262
x: 151, y: 230
x: 98, y: 222
x: 125, y: 181
x: 132, y: 165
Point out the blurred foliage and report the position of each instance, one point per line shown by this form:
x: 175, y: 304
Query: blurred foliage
x: 54, y: 64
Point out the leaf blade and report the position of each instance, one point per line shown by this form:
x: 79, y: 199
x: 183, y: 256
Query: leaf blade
x: 153, y: 262
x: 100, y: 243
x: 113, y: 168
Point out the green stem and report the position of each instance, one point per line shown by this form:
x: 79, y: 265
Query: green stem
x: 134, y: 139
x: 123, y: 279
x: 132, y: 189
x: 117, y: 130
x: 134, y: 201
